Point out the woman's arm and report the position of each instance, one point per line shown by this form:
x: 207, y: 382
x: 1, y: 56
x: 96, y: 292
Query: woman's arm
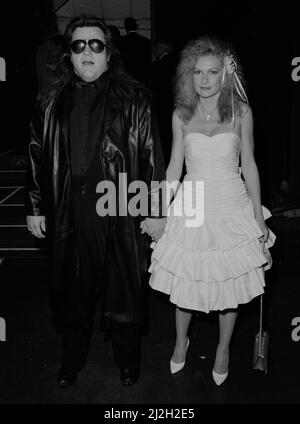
x: 249, y: 168
x: 174, y: 169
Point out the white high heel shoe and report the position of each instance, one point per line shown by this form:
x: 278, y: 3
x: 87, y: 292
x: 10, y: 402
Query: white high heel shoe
x: 175, y: 367
x: 219, y: 378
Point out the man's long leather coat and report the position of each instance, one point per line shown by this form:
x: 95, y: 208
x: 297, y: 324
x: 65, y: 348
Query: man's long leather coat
x: 128, y: 145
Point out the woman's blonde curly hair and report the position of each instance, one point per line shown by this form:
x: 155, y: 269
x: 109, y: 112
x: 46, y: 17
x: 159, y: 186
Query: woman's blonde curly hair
x: 186, y: 98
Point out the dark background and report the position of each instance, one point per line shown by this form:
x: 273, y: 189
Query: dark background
x: 265, y: 36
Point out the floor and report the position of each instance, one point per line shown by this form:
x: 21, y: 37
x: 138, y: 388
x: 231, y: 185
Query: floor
x: 30, y: 349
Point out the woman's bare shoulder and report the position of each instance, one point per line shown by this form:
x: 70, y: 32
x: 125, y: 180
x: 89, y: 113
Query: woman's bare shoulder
x: 245, y: 110
x: 177, y: 120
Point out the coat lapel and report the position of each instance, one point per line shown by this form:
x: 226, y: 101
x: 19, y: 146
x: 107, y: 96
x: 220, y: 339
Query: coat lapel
x: 106, y: 111
x: 63, y: 115
x: 112, y: 106
x: 64, y: 107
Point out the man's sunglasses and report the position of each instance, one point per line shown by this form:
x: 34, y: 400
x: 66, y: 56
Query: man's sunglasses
x: 97, y: 46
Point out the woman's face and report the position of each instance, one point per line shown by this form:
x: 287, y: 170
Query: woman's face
x: 207, y: 74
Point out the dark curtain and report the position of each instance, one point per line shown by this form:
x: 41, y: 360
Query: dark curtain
x: 22, y: 27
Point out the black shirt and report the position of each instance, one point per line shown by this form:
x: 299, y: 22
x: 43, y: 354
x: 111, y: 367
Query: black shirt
x: 86, y: 122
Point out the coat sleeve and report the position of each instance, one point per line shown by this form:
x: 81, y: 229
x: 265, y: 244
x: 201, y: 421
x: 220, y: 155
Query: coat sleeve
x: 34, y: 198
x: 152, y: 166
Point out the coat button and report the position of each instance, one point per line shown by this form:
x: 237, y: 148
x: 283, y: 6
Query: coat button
x: 84, y: 188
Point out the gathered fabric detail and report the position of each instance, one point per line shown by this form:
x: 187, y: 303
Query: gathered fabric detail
x: 220, y: 263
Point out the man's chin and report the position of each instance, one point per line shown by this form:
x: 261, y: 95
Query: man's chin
x: 87, y: 77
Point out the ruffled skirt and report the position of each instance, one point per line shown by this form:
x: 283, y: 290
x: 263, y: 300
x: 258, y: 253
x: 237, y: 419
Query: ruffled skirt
x: 219, y: 264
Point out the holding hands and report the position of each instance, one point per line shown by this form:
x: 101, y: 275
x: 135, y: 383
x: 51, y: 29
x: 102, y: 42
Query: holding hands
x: 154, y: 227
x: 265, y: 230
x: 263, y: 239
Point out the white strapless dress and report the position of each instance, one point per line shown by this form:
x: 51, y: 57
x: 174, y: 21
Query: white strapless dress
x: 219, y: 264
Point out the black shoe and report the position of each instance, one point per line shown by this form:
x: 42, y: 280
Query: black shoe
x: 128, y: 376
x: 65, y: 379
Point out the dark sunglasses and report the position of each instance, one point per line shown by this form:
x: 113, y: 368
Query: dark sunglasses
x: 97, y: 46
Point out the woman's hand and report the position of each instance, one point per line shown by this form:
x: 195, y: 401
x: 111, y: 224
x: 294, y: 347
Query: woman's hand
x: 263, y: 239
x: 265, y: 230
x: 154, y: 227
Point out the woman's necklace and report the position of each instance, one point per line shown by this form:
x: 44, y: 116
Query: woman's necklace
x: 204, y: 113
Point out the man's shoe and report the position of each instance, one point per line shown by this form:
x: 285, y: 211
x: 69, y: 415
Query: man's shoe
x: 129, y: 376
x: 65, y: 379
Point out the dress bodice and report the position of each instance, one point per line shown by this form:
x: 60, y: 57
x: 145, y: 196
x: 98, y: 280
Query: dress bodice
x: 212, y: 157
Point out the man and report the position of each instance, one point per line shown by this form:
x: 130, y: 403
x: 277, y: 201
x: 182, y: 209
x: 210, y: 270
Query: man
x: 92, y: 125
x: 135, y: 52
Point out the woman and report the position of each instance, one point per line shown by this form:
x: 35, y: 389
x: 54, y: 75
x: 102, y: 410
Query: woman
x: 220, y: 263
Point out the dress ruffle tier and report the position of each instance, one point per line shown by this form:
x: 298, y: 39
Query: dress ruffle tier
x: 216, y: 266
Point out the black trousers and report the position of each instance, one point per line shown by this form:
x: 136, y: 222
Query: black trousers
x: 92, y: 236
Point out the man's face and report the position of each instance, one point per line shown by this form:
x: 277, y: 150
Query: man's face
x: 89, y: 65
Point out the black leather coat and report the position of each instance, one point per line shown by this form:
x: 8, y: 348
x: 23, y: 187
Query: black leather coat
x: 129, y: 144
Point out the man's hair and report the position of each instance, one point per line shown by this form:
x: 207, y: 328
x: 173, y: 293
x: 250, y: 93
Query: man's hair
x: 85, y: 21
x: 130, y: 24
x: 124, y: 85
x: 186, y: 98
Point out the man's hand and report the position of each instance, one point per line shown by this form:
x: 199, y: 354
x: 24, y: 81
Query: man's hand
x: 154, y: 227
x: 36, y: 225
